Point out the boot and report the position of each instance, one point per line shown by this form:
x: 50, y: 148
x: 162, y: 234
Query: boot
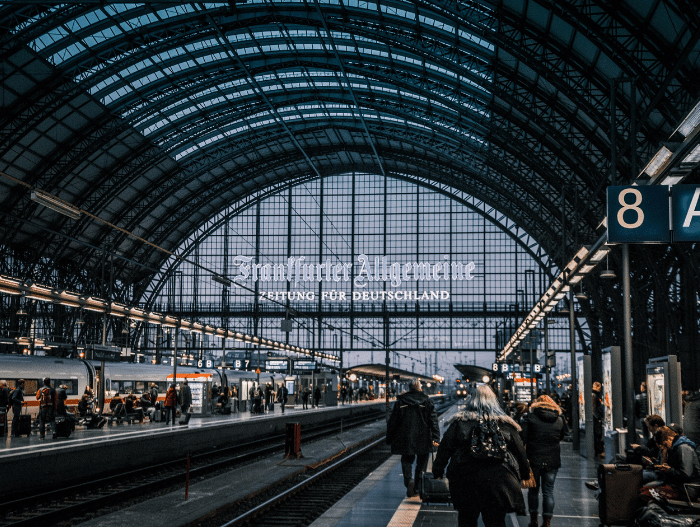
x: 546, y: 521
x: 533, y: 520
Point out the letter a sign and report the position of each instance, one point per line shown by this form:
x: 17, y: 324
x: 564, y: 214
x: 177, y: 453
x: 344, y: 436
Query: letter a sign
x: 686, y: 213
x: 638, y: 214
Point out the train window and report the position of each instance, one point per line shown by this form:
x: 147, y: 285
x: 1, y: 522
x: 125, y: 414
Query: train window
x: 140, y: 386
x: 71, y: 385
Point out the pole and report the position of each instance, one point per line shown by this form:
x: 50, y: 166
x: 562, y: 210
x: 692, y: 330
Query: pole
x: 387, y: 361
x: 175, y: 356
x: 546, y: 352
x: 627, y: 325
x: 576, y: 433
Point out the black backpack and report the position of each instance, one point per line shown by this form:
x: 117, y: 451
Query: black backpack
x: 487, y: 441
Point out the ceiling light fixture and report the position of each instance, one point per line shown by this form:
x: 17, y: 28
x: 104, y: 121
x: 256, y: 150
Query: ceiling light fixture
x: 55, y: 203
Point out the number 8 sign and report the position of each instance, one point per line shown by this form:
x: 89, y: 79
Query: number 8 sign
x: 638, y: 214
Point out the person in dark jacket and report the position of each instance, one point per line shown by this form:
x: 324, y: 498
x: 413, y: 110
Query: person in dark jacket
x: 317, y: 396
x: 680, y: 465
x: 598, y: 416
x: 185, y: 397
x: 412, y: 432
x: 542, y: 431
x: 641, y: 409
x: 691, y: 417
x: 17, y: 400
x: 487, y: 487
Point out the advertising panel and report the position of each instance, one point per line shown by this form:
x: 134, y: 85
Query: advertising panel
x: 607, y: 390
x: 657, y: 392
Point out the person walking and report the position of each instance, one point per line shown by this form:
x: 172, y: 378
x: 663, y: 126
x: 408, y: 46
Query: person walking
x: 412, y: 432
x: 282, y: 394
x: 170, y: 404
x: 185, y: 398
x: 305, y: 398
x: 46, y: 396
x: 61, y: 398
x: 317, y: 396
x: 542, y: 431
x: 17, y: 400
x: 483, y: 481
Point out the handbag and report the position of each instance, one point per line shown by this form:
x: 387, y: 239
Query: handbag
x: 531, y: 482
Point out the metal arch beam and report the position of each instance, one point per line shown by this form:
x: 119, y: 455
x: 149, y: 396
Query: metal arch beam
x: 257, y: 170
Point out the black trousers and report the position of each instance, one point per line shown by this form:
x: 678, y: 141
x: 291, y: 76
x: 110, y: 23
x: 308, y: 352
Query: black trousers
x: 407, y: 467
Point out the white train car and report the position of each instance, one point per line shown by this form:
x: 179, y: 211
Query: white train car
x: 76, y: 374
x: 121, y: 377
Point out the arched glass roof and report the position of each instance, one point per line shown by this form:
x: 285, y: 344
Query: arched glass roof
x: 157, y: 116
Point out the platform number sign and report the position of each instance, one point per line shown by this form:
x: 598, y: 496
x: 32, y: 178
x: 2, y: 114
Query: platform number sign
x: 638, y: 214
x: 685, y: 218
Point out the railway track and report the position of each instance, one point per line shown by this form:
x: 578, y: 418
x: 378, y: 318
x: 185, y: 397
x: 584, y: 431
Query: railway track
x: 77, y: 503
x: 299, y: 502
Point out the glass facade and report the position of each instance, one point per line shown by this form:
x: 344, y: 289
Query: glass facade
x: 359, y: 260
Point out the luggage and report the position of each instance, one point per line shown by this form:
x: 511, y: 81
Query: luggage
x: 434, y: 490
x: 25, y: 425
x: 272, y: 406
x: 620, y: 486
x: 185, y: 418
x: 64, y: 427
x: 653, y: 515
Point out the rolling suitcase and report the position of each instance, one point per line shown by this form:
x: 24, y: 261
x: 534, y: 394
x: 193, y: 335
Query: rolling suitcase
x: 620, y: 486
x: 185, y: 418
x: 64, y: 427
x: 25, y: 425
x: 433, y: 490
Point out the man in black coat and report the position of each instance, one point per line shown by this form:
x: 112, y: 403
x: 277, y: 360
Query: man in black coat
x: 412, y: 432
x: 598, y: 416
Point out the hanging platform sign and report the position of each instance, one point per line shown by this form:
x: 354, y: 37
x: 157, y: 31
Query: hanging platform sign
x: 685, y: 218
x: 638, y: 214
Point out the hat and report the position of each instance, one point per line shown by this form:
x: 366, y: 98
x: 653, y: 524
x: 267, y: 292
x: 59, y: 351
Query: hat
x: 184, y: 382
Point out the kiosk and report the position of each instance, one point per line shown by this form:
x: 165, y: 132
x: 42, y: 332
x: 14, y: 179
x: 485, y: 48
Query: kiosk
x: 612, y: 403
x: 664, y: 388
x: 200, y: 385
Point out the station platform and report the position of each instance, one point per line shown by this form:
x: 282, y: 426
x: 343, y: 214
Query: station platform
x: 380, y: 500
x: 120, y: 447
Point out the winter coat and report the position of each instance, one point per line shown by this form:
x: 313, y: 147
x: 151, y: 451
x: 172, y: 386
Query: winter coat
x: 413, y: 425
x: 691, y: 418
x: 641, y: 405
x: 598, y: 408
x: 185, y: 395
x: 683, y: 460
x: 171, y: 398
x: 542, y: 430
x: 16, y: 400
x: 476, y: 484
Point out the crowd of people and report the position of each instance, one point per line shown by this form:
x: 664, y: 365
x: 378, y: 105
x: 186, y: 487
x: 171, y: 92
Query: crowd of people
x: 525, y: 452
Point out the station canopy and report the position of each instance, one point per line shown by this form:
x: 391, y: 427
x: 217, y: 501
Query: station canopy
x: 378, y: 371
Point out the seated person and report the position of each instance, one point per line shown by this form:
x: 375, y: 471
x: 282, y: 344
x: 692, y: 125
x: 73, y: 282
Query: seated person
x: 116, y: 401
x: 84, y: 406
x: 145, y: 400
x: 132, y: 406
x: 651, y: 449
x: 680, y: 466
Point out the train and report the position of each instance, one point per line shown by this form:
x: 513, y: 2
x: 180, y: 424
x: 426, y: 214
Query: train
x: 121, y: 378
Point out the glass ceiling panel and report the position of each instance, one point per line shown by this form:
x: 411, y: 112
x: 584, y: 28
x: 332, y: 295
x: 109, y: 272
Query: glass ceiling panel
x: 305, y: 112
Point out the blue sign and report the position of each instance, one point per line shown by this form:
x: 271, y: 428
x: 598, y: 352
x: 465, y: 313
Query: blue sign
x: 638, y: 214
x: 685, y: 218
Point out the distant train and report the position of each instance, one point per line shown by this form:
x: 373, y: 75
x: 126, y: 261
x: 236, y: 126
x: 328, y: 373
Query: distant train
x: 121, y: 377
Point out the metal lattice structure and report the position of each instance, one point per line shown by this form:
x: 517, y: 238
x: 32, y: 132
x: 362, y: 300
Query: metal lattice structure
x: 156, y: 117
